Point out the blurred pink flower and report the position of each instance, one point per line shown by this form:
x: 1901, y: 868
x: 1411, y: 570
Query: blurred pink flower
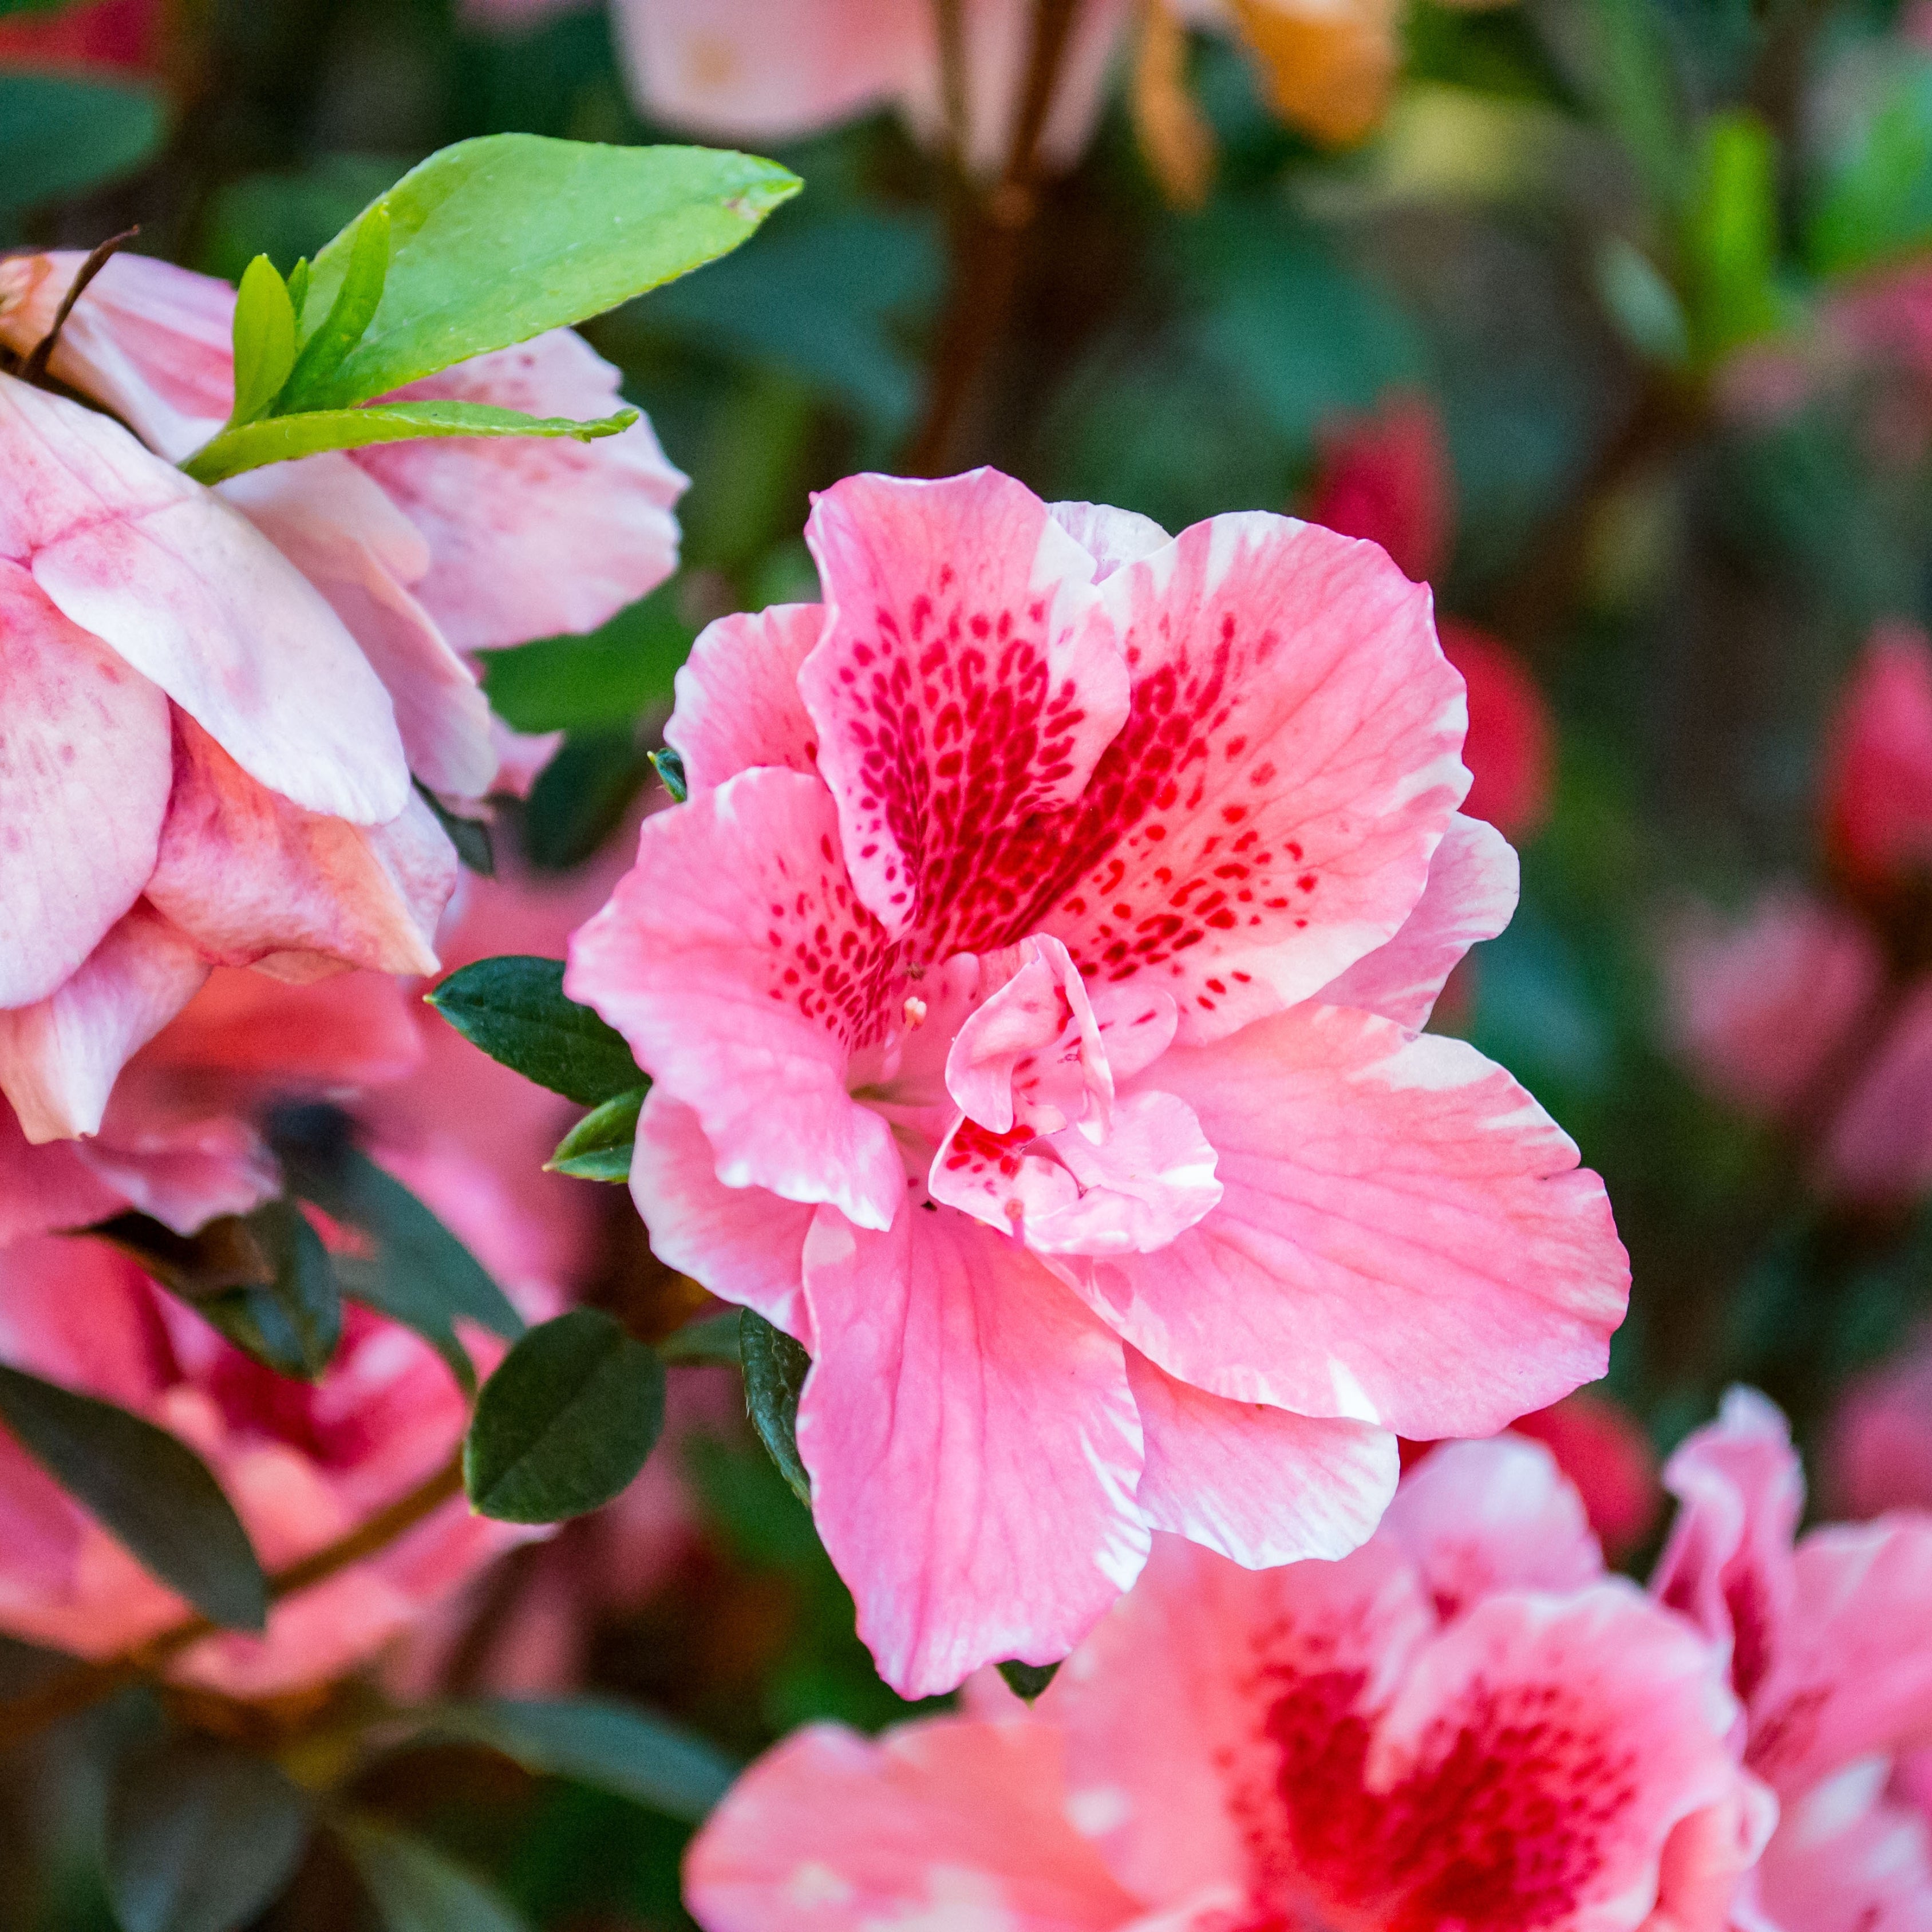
x: 1879, y: 1454
x: 1604, y: 1451
x: 116, y: 34
x: 303, y: 1464
x: 1031, y: 988
x: 1878, y: 775
x: 1464, y: 1724
x: 1830, y: 1642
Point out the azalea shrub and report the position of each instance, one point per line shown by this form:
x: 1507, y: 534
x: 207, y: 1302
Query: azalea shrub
x: 965, y: 965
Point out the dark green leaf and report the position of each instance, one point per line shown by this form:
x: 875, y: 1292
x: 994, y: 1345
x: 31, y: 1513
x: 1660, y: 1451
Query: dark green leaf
x: 264, y: 332
x: 602, y: 1743
x: 199, y: 1837
x: 294, y: 1322
x: 610, y: 677
x: 350, y: 314
x: 599, y: 1147
x: 1027, y: 1680
x: 581, y: 796
x: 565, y: 1423
x: 470, y: 836
x: 61, y: 135
x: 513, y: 1008
x: 668, y: 763
x: 494, y: 241
x: 711, y: 1342
x: 149, y: 1490
x: 775, y: 1368
x: 226, y: 1253
x: 416, y: 1888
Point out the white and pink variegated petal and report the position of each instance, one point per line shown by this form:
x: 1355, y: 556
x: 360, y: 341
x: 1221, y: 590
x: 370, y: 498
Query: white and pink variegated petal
x: 743, y: 69
x: 532, y: 536
x: 737, y: 696
x: 1009, y: 1182
x: 737, y: 962
x: 1109, y: 536
x: 952, y: 1823
x: 965, y: 688
x: 1727, y: 1565
x: 224, y: 1168
x: 1852, y: 1675
x: 1705, y: 1882
x: 47, y: 1187
x: 744, y: 1244
x: 250, y: 876
x: 1260, y: 1485
x: 1032, y: 1053
x: 330, y: 519
x: 1470, y: 896
x: 85, y: 768
x: 1150, y: 1180
x: 1268, y: 814
x: 973, y: 1444
x: 1137, y: 1026
x: 1847, y: 1858
x: 193, y: 598
x: 1478, y: 1517
x: 59, y: 1058
x: 1404, y: 1236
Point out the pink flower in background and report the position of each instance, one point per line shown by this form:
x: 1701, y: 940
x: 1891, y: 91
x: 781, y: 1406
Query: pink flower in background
x: 1878, y: 775
x: 1830, y: 1642
x: 1031, y: 990
x: 115, y: 33
x: 303, y: 1465
x: 1878, y: 1457
x: 1463, y: 1724
x: 1604, y: 1451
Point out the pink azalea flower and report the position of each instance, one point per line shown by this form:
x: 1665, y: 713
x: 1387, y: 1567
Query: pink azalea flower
x: 1879, y: 1454
x: 1878, y: 779
x: 1465, y: 1723
x: 254, y: 674
x: 112, y: 34
x: 1031, y: 988
x: 303, y: 1465
x: 1830, y: 1642
x: 1602, y: 1450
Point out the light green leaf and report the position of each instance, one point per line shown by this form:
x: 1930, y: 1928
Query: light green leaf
x: 416, y: 1888
x: 265, y: 339
x: 496, y: 240
x: 610, y: 677
x: 350, y: 314
x: 1731, y: 235
x: 599, y: 1147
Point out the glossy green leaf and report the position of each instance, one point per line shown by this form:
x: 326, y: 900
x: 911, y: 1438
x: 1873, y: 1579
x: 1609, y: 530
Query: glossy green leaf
x: 775, y: 1367
x: 513, y: 1008
x: 581, y: 797
x: 565, y: 1423
x: 710, y: 1343
x: 199, y: 1837
x: 470, y: 836
x: 599, y: 1147
x: 61, y: 135
x: 1027, y: 1680
x: 264, y: 332
x: 324, y: 347
x: 415, y: 1888
x: 496, y: 240
x: 610, y: 677
x: 283, y: 438
x: 148, y: 1490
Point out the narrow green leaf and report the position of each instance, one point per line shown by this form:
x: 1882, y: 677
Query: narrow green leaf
x: 199, y: 1837
x: 1027, y: 1680
x: 416, y: 1888
x: 601, y: 1743
x: 495, y: 240
x: 298, y: 285
x: 599, y: 1147
x: 711, y: 1343
x: 293, y: 1323
x: 609, y: 678
x: 1731, y: 236
x: 470, y: 836
x: 775, y: 1368
x: 226, y: 1253
x: 283, y: 438
x: 324, y: 347
x: 514, y: 1008
x: 565, y: 1423
x: 149, y: 1490
x: 265, y: 339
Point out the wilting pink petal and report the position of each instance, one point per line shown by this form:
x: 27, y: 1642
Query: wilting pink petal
x: 737, y: 696
x: 85, y: 769
x: 1602, y: 1449
x: 1880, y: 1454
x: 1259, y: 1486
x: 181, y: 588
x: 1878, y: 775
x: 1509, y: 750
x: 1422, y: 1208
x: 1387, y: 477
x: 221, y: 1167
x: 1880, y: 1145
x: 973, y: 1443
x: 59, y: 1057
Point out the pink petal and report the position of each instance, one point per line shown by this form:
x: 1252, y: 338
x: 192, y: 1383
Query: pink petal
x: 1878, y: 778
x: 47, y: 1187
x: 738, y: 965
x: 1477, y: 1518
x: 1603, y: 1449
x: 531, y: 537
x: 1707, y: 1856
x: 1404, y: 1237
x: 964, y: 689
x: 1727, y: 1565
x: 737, y: 696
x: 1880, y: 1456
x: 1511, y: 747
x: 1148, y: 1181
x: 177, y: 584
x: 250, y: 875
x: 85, y: 768
x: 1109, y: 536
x: 1470, y: 896
x: 952, y: 1823
x: 1387, y: 478
x: 1880, y: 1146
x: 1845, y: 1859
x: 223, y: 1169
x: 59, y: 1058
x: 973, y: 1443
x: 1032, y: 1052
x: 1260, y: 1485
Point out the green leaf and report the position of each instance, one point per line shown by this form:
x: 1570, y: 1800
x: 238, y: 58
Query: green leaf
x: 775, y: 1368
x: 1873, y: 201
x: 668, y: 763
x: 62, y: 136
x: 283, y: 438
x: 601, y: 1743
x: 350, y: 314
x: 416, y: 1888
x: 565, y: 1423
x: 293, y: 1323
x: 150, y: 1491
x: 265, y: 339
x: 1643, y: 304
x: 611, y: 677
x: 581, y: 796
x: 513, y: 1008
x: 599, y: 1147
x: 470, y: 836
x: 711, y: 1343
x: 1731, y: 236
x: 199, y: 1837
x: 1027, y: 1680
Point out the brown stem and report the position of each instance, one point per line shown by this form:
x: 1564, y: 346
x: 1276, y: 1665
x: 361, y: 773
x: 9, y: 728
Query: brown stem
x: 76, y: 1690
x: 35, y: 367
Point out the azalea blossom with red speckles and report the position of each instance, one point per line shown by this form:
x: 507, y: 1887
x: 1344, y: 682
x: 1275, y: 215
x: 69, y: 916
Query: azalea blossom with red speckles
x: 1464, y: 1724
x: 1031, y: 989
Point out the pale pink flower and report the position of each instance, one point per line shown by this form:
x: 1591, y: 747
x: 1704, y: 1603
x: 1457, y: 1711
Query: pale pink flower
x: 1830, y: 1640
x: 1463, y: 1724
x: 1878, y: 1457
x: 1031, y: 988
